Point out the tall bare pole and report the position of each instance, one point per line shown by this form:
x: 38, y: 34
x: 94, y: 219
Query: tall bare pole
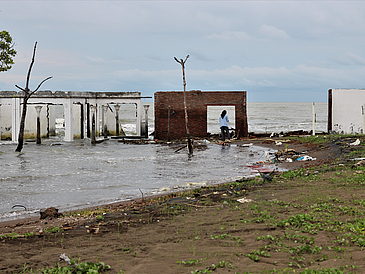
x: 182, y: 63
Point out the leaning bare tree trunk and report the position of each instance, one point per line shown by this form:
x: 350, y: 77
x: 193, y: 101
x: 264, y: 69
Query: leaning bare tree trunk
x: 27, y: 94
x: 182, y: 63
x: 22, y: 125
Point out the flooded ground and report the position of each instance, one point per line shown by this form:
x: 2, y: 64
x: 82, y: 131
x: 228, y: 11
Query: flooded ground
x: 75, y: 175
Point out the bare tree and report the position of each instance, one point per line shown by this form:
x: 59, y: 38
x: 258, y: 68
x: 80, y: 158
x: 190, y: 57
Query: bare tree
x: 182, y: 63
x: 27, y: 94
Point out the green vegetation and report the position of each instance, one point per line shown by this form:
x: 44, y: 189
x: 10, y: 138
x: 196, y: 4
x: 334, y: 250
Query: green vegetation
x: 73, y: 268
x: 7, y: 51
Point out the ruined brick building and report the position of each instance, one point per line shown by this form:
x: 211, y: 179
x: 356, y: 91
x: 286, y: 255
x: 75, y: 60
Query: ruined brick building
x: 170, y: 116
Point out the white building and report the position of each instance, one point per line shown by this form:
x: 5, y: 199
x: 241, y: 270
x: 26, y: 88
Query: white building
x: 77, y: 107
x: 346, y: 111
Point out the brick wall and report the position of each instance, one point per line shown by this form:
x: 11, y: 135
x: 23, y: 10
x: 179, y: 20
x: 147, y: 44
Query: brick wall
x: 197, y: 103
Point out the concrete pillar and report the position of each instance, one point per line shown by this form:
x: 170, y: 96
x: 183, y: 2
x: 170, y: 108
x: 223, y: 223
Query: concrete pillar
x: 97, y: 120
x: 0, y: 122
x: 101, y: 118
x: 38, y: 110
x: 105, y: 123
x: 15, y: 119
x: 47, y: 117
x: 87, y: 117
x: 51, y: 115
x: 139, y: 117
x: 117, y: 107
x: 146, y: 117
x: 82, y: 121
x: 69, y: 125
x: 93, y: 124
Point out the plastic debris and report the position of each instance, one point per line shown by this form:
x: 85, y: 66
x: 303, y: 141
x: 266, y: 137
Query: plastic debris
x: 278, y: 143
x: 244, y: 200
x: 306, y: 158
x: 289, y: 160
x: 267, y: 156
x: 246, y: 145
x: 356, y: 143
x: 64, y: 257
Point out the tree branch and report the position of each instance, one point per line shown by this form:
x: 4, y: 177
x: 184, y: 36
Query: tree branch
x: 30, y: 66
x: 20, y: 88
x: 34, y: 91
x: 181, y: 61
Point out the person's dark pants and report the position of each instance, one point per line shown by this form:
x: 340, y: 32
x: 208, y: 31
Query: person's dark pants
x: 223, y: 131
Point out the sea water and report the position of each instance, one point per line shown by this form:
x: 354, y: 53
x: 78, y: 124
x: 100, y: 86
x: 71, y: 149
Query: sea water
x: 262, y: 117
x: 71, y: 175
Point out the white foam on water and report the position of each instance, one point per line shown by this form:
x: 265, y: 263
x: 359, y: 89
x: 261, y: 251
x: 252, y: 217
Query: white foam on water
x: 18, y: 215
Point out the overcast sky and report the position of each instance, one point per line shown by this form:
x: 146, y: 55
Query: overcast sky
x: 283, y: 51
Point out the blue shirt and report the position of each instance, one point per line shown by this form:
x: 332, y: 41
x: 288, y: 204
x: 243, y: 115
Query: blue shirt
x: 223, y: 122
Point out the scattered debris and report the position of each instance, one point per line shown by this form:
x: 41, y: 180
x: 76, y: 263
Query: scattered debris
x: 50, y: 213
x: 142, y: 193
x: 286, y: 151
x: 244, y: 200
x: 19, y: 206
x: 266, y: 177
x: 180, y: 149
x: 356, y: 143
x: 360, y: 163
x: 99, y: 141
x: 268, y: 158
x: 246, y: 145
x: 55, y: 144
x: 94, y: 230
x: 306, y: 158
x: 64, y: 257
